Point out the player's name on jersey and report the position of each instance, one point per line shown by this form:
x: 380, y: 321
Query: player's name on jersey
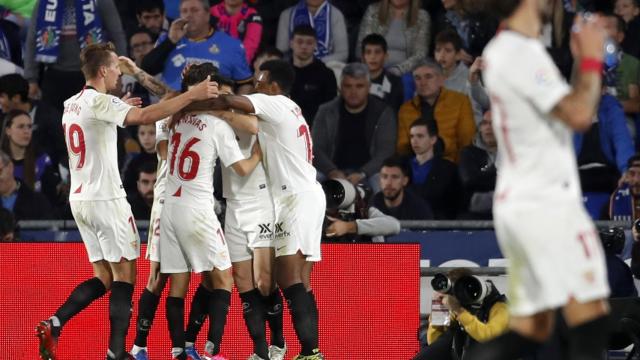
x: 73, y: 108
x: 194, y: 121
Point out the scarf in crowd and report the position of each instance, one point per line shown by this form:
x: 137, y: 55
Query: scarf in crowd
x: 321, y: 23
x: 49, y: 26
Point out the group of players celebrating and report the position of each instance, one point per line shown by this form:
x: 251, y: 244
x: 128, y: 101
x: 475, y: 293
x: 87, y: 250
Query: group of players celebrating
x: 271, y: 237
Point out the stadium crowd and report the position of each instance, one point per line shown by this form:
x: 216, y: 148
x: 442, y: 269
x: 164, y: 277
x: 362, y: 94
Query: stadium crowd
x: 392, y: 91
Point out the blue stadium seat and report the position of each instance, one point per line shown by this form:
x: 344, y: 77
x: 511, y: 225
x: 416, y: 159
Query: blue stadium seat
x: 408, y: 86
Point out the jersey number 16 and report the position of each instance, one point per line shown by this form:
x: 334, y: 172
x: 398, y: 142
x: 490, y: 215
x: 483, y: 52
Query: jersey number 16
x: 186, y: 153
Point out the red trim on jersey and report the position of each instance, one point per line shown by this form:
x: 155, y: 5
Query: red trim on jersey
x: 499, y: 106
x: 78, y: 190
x: 178, y: 192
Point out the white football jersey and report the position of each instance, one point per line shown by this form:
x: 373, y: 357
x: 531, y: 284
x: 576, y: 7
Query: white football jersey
x: 238, y: 187
x: 89, y: 122
x: 286, y: 144
x: 536, y: 158
x: 194, y: 145
x: 162, y: 134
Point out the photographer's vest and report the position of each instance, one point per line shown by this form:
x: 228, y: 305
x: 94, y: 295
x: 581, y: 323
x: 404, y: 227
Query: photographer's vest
x: 462, y: 340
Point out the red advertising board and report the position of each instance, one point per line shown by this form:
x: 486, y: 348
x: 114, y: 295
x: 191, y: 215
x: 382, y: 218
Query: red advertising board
x: 368, y: 299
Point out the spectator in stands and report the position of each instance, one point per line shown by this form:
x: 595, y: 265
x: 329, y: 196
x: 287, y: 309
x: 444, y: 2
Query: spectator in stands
x: 328, y: 22
x: 240, y: 21
x: 451, y: 110
x: 47, y: 132
x: 478, y: 91
x: 433, y: 178
x: 619, y: 274
x: 477, y: 169
x: 269, y: 53
x: 19, y: 198
x: 384, y: 84
x: 470, y: 322
x: 405, y: 27
x: 627, y: 84
x: 603, y: 151
x: 150, y: 16
x: 192, y: 39
x: 456, y: 73
x: 7, y: 226
x: 314, y: 84
x: 474, y: 26
x: 10, y: 44
x: 147, y: 141
x: 141, y: 199
x: 55, y: 39
x: 624, y: 204
x: 395, y: 199
x: 350, y: 217
x: 629, y: 11
x: 557, y: 38
x: 140, y: 44
x: 355, y: 132
x: 31, y: 166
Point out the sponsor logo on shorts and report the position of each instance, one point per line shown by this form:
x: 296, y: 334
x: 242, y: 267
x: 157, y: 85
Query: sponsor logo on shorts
x: 265, y: 232
x: 280, y: 231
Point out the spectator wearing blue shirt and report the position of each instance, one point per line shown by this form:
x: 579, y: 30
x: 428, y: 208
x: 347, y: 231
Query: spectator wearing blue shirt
x: 192, y: 39
x: 434, y: 178
x: 604, y: 150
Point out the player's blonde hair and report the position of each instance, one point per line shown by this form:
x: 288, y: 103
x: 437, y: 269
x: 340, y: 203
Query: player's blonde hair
x: 95, y: 56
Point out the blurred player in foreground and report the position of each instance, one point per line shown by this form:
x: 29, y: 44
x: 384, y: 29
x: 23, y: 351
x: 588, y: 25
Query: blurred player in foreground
x: 556, y: 258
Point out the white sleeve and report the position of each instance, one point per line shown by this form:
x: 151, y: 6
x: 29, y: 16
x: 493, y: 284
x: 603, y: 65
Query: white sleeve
x: 227, y: 145
x: 110, y: 109
x: 267, y: 108
x: 162, y: 130
x: 540, y: 82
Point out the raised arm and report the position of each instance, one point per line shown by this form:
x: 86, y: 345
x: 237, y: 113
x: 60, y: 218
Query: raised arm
x: 155, y: 86
x: 150, y: 114
x: 223, y: 102
x: 238, y: 121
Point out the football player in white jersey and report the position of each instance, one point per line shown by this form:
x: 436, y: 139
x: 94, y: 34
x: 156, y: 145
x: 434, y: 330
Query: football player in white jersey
x: 98, y: 201
x: 299, y: 201
x: 191, y: 238
x: 555, y: 255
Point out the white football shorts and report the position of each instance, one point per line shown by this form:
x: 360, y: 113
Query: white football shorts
x: 191, y: 239
x: 108, y: 229
x: 298, y: 224
x: 554, y: 253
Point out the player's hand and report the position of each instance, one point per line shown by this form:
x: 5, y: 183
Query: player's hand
x: 336, y: 174
x: 355, y: 178
x: 207, y: 89
x: 587, y: 37
x: 178, y: 30
x: 475, y: 70
x: 340, y: 228
x: 133, y: 101
x: 127, y: 66
x: 34, y: 91
x: 256, y: 150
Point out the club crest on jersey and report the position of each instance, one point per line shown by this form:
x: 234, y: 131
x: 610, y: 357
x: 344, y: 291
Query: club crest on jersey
x: 214, y: 49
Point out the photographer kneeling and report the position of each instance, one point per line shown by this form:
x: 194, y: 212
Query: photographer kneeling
x: 350, y: 218
x: 477, y: 312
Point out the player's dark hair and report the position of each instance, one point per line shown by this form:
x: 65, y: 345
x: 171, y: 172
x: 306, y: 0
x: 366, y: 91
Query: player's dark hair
x: 147, y: 167
x: 197, y: 73
x: 280, y: 72
x: 223, y: 80
x: 449, y: 36
x: 374, y: 40
x: 94, y: 56
x: 502, y: 8
x: 304, y: 30
x: 431, y: 125
x: 149, y: 6
x: 29, y: 164
x: 14, y: 84
x: 270, y: 51
x: 397, y: 162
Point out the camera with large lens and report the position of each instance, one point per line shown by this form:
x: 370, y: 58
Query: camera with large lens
x: 469, y: 290
x: 613, y: 239
x: 346, y: 202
